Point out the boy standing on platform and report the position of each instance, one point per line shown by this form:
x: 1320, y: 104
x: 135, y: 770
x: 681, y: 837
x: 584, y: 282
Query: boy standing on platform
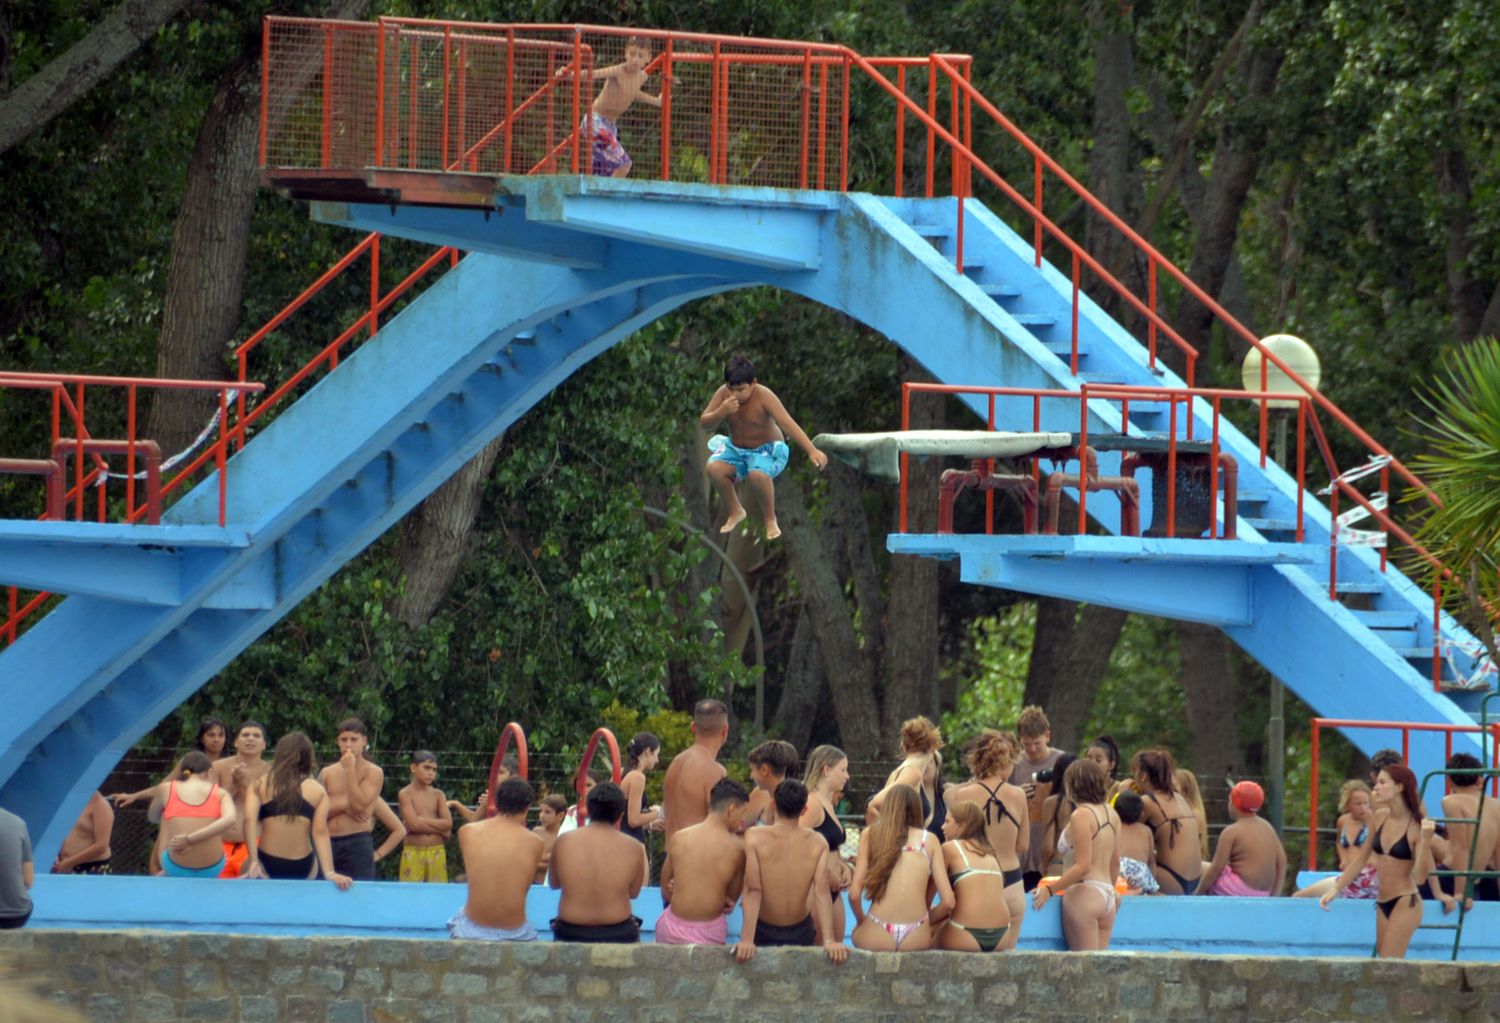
x: 424, y: 812
x: 236, y: 775
x: 704, y: 871
x: 785, y: 872
x: 353, y: 785
x: 500, y: 857
x: 755, y: 449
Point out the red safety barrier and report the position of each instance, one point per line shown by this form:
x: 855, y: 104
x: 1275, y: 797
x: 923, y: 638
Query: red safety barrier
x: 580, y: 780
x: 511, y: 730
x: 50, y: 470
x: 1405, y: 728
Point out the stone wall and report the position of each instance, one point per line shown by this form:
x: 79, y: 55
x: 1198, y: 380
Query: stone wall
x: 146, y: 977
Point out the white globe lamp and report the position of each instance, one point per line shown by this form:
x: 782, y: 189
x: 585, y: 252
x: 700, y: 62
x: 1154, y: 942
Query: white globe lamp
x: 1292, y: 350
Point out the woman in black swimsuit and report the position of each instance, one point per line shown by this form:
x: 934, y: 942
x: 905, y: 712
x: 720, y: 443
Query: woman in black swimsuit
x: 919, y: 768
x: 641, y: 757
x: 1179, y: 867
x: 1400, y: 846
x: 286, y: 818
x: 1007, y: 828
x: 826, y: 775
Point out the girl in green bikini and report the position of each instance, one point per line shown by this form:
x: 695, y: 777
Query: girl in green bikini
x: 981, y: 916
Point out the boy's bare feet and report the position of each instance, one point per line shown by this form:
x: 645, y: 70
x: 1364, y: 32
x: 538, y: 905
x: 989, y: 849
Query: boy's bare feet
x: 736, y: 516
x: 773, y: 530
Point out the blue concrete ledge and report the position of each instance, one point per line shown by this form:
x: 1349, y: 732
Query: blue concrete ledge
x: 1289, y: 927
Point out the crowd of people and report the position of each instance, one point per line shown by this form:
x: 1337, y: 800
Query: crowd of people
x: 1029, y: 823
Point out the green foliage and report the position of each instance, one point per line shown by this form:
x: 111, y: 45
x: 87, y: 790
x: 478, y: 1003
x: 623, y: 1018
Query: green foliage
x: 673, y: 727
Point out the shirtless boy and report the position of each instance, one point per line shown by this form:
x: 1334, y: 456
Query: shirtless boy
x: 785, y: 872
x: 1249, y: 859
x: 236, y: 775
x: 693, y: 772
x: 424, y: 813
x: 354, y: 785
x: 756, y: 446
x: 770, y: 762
x: 1464, y: 802
x: 549, y: 822
x: 501, y: 857
x: 623, y: 84
x: 704, y: 870
x: 599, y: 869
x: 86, y: 849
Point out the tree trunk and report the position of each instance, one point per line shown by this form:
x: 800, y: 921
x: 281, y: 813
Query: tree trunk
x: 910, y: 663
x: 434, y: 543
x: 1069, y: 654
x: 1466, y: 293
x: 851, y: 675
x: 801, y: 686
x: 210, y: 245
x: 42, y: 97
x: 1109, y: 160
x: 1209, y: 690
x: 205, y: 282
x: 1236, y: 161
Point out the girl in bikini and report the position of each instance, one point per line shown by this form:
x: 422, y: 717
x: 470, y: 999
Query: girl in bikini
x: 1007, y: 828
x: 980, y: 918
x: 898, y: 859
x: 1179, y: 861
x: 1354, y: 832
x: 642, y: 755
x: 286, y: 818
x: 1092, y: 838
x: 827, y: 774
x: 1400, y: 847
x: 194, y: 812
x: 920, y: 742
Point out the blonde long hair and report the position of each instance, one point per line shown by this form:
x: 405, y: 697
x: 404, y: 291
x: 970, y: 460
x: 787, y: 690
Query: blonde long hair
x: 969, y: 816
x: 886, y: 837
x: 1187, y: 784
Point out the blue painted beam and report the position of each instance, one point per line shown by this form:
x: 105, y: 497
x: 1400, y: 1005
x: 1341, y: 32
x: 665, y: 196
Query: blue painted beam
x: 505, y: 231
x: 136, y: 564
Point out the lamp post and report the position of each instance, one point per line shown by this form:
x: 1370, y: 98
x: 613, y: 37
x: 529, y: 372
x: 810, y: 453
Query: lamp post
x: 1300, y: 357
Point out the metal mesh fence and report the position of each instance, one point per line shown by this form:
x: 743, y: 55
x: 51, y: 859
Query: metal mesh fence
x: 517, y: 99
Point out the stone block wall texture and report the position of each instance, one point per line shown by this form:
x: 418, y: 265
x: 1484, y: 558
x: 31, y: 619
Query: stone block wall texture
x: 155, y: 977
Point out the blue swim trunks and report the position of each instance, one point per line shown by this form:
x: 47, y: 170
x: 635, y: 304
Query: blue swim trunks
x: 768, y: 458
x: 605, y: 152
x: 462, y: 927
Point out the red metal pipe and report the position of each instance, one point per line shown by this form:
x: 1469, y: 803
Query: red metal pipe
x: 52, y: 473
x: 666, y: 113
x: 149, y: 449
x: 509, y: 732
x: 580, y: 783
x: 900, y: 132
x: 844, y: 135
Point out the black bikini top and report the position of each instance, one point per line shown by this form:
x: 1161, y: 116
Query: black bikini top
x: 995, y: 800
x: 832, y: 831
x: 1176, y: 822
x: 1400, y: 851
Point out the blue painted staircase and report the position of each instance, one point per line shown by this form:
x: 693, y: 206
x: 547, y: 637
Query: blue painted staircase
x: 559, y: 268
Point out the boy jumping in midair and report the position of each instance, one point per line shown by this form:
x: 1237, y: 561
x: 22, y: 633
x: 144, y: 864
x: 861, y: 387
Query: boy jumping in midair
x: 622, y: 85
x: 756, y: 446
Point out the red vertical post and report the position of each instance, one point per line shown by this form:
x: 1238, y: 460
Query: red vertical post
x: 958, y: 250
x: 510, y: 95
x: 239, y: 400
x: 1385, y: 488
x: 713, y: 115
x: 1213, y: 475
x: 57, y: 393
x: 905, y: 425
x: 724, y: 135
x: 1171, y: 468
x: 954, y: 185
x: 78, y: 453
x: 460, y: 121
x: 447, y: 91
x: 1312, y: 823
x: 578, y: 140
x: 1036, y: 201
x: 1405, y: 745
x: 822, y: 124
x: 265, y: 87
x: 326, y: 145
x: 932, y: 119
x: 221, y: 455
x: 666, y: 112
x: 129, y: 451
x: 411, y: 108
x: 844, y: 133
x: 379, y: 93
x: 1073, y: 350
x: 551, y: 110
x: 1301, y: 463
x: 989, y: 495
x: 1151, y: 305
x: 900, y: 129
x: 806, y: 114
x: 1333, y: 544
x: 1125, y: 417
x: 1083, y: 459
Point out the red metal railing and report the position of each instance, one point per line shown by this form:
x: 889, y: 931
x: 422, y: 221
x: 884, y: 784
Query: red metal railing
x: 580, y: 779
x: 70, y: 399
x: 1405, y: 728
x: 1125, y: 395
x: 509, y: 732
